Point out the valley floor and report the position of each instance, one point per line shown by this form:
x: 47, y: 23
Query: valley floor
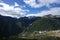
x: 38, y: 35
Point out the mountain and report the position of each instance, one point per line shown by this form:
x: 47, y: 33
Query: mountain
x: 27, y: 20
x: 8, y: 26
x: 45, y: 24
x: 12, y: 26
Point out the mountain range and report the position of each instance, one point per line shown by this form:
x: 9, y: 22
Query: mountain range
x: 12, y: 26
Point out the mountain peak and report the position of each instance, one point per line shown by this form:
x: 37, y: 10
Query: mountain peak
x: 51, y: 16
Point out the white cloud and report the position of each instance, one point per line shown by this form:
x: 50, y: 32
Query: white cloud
x: 16, y: 4
x: 53, y: 11
x: 12, y: 11
x: 6, y: 6
x: 33, y: 3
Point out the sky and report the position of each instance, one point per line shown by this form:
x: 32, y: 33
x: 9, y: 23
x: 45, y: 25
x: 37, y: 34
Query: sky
x: 21, y: 8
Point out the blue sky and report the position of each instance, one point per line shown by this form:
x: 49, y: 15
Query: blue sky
x: 20, y: 8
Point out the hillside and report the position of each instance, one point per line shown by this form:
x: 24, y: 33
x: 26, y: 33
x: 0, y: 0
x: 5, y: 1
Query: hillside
x: 12, y: 26
x: 8, y: 26
x: 45, y: 24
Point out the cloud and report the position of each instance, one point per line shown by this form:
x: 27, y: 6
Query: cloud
x: 16, y: 4
x: 41, y: 3
x: 53, y: 11
x: 12, y: 11
x: 6, y: 6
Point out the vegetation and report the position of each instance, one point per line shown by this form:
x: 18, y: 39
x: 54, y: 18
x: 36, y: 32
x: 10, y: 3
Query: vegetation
x: 25, y: 28
x: 46, y: 24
